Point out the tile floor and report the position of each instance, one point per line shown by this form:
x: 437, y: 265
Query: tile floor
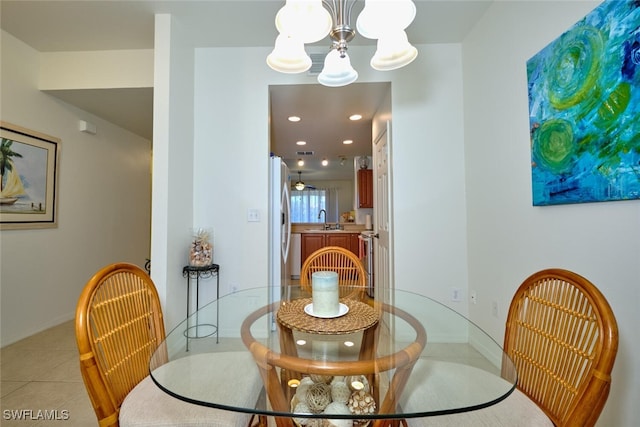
x: 41, y: 379
x: 41, y: 382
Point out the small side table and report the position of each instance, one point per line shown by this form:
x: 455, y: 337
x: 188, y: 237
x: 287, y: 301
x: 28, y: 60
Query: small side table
x: 197, y: 273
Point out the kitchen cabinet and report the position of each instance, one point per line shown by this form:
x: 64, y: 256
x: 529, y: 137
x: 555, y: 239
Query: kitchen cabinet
x: 365, y: 188
x: 311, y: 242
x: 343, y: 240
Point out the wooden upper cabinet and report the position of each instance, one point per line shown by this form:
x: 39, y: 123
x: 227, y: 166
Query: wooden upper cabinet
x: 365, y: 188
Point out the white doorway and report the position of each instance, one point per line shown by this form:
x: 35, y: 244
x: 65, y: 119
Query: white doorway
x: 323, y: 125
x: 382, y: 214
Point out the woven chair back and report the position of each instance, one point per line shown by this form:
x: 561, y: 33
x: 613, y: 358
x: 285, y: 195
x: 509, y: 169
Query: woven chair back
x: 351, y: 272
x: 563, y: 338
x: 119, y: 324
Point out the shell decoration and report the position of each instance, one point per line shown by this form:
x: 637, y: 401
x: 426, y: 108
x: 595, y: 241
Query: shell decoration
x: 362, y: 403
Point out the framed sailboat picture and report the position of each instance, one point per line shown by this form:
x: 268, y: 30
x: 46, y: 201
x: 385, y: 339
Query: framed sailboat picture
x: 28, y: 178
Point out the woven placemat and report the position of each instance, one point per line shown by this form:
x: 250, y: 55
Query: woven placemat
x: 359, y: 317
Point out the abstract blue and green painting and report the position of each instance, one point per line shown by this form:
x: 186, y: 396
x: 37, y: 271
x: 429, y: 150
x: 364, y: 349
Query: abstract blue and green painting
x: 584, y: 109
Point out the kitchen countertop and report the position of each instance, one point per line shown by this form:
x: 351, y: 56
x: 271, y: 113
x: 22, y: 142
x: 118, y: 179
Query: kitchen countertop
x: 318, y: 228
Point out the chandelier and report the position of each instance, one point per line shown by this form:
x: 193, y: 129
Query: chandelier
x: 301, y: 22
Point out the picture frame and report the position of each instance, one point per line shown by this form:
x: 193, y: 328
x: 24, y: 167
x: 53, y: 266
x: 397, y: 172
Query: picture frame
x: 29, y: 175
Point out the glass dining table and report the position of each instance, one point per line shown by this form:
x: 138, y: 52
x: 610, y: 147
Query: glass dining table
x: 375, y: 362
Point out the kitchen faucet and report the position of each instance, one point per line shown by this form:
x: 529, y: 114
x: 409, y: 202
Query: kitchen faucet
x: 325, y: 217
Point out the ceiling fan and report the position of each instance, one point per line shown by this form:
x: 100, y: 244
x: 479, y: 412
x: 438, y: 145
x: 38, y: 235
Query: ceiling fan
x: 301, y: 185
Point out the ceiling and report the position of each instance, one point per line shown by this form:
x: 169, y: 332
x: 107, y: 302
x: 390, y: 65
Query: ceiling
x: 324, y: 125
x: 87, y: 25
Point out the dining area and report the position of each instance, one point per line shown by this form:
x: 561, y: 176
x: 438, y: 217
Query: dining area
x: 308, y: 360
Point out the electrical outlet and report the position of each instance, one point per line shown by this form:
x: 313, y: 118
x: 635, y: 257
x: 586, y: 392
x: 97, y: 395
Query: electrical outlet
x: 474, y: 297
x: 494, y: 308
x: 455, y: 294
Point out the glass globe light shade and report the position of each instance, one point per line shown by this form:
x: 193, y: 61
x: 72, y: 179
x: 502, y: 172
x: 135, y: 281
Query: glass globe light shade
x: 379, y: 16
x: 394, y: 51
x: 299, y: 185
x: 289, y: 56
x: 307, y: 20
x: 337, y: 71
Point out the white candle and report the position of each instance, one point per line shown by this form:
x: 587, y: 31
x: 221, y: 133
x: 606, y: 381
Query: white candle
x: 324, y: 289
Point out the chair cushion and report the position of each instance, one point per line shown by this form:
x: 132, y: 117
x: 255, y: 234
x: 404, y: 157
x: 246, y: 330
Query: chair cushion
x: 517, y: 410
x: 235, y: 372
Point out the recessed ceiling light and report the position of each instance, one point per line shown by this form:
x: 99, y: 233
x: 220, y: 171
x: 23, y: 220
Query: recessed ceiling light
x: 347, y: 141
x: 294, y: 118
x: 300, y: 162
x: 355, y: 117
x: 325, y: 162
x: 301, y: 143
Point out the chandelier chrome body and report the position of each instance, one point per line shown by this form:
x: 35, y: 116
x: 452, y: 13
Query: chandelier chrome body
x: 302, y: 22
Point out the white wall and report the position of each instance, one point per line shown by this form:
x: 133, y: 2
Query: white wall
x: 102, y: 69
x: 232, y: 149
x: 231, y: 161
x: 173, y: 153
x: 104, y: 204
x: 428, y: 175
x: 509, y: 239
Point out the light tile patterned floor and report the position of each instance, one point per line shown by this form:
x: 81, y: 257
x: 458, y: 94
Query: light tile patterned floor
x: 41, y: 382
x: 41, y: 378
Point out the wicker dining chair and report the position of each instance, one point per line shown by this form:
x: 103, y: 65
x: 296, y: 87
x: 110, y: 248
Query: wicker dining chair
x: 119, y: 325
x: 563, y: 338
x: 352, y: 277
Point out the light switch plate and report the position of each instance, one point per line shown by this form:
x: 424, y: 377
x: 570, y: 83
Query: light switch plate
x: 253, y: 215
